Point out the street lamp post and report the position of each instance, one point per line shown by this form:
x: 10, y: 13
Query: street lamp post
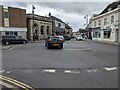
x: 86, y: 17
x: 33, y: 31
x: 86, y: 26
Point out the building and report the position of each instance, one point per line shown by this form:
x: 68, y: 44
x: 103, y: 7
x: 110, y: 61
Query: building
x: 13, y: 21
x: 105, y: 26
x: 44, y: 26
x: 41, y: 28
x: 60, y: 27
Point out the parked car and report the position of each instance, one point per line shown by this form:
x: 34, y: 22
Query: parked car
x: 79, y: 38
x: 67, y: 37
x: 62, y: 38
x: 54, y: 41
x: 10, y: 39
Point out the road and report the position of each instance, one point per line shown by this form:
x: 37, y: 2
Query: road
x: 80, y: 64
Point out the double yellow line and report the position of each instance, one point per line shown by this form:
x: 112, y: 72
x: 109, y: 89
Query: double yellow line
x: 16, y: 83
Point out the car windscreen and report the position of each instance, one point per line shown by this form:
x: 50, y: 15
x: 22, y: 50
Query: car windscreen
x: 55, y: 38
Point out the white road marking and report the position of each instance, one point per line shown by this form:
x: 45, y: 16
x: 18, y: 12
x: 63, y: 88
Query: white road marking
x: 8, y: 71
x: 14, y: 47
x: 67, y: 71
x: 70, y: 72
x: 6, y: 85
x: 49, y: 70
x: 110, y: 69
x: 79, y: 49
x: 2, y: 71
x: 92, y: 70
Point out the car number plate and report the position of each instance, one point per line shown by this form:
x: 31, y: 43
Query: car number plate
x: 55, y: 44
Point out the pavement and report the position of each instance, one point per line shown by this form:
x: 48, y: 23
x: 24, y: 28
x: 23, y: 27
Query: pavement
x: 105, y: 42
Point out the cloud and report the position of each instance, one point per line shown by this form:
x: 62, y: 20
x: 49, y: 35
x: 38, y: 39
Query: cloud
x: 70, y: 12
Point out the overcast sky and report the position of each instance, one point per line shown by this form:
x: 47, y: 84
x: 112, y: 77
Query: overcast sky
x: 70, y: 12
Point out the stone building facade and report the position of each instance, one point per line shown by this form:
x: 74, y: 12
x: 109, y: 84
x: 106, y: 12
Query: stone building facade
x: 42, y: 27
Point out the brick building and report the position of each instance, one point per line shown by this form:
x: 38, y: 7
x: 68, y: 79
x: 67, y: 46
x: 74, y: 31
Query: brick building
x: 13, y: 21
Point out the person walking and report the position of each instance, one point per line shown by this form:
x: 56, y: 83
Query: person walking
x: 34, y: 37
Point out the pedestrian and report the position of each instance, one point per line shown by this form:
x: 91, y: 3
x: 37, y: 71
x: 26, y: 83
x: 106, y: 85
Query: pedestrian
x: 34, y: 37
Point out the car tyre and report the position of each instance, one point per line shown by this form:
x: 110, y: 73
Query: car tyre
x: 7, y: 43
x: 24, y: 42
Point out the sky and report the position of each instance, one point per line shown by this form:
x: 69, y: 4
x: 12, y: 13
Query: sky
x: 70, y: 11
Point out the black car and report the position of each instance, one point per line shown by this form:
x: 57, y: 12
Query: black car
x: 10, y: 39
x: 54, y: 41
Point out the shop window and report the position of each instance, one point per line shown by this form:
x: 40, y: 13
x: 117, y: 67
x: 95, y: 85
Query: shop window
x: 95, y: 34
x: 99, y: 34
x: 6, y: 33
x: 107, y: 34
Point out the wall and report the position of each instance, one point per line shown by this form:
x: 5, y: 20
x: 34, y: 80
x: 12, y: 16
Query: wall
x: 1, y: 16
x: 17, y: 17
x: 119, y: 23
x: 1, y: 20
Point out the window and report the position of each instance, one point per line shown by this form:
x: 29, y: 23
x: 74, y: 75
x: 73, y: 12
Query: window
x: 48, y: 30
x: 42, y: 30
x: 59, y: 24
x: 11, y: 33
x: 94, y: 23
x: 105, y: 21
x: 107, y: 34
x: 99, y: 22
x: 95, y: 34
x: 112, y: 19
x: 15, y: 33
x: 5, y: 14
x: 6, y: 33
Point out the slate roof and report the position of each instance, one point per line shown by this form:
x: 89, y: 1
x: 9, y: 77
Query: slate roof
x: 112, y: 6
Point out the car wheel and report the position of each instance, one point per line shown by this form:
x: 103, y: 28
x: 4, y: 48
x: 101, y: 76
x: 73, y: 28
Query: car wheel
x: 7, y: 43
x: 24, y: 42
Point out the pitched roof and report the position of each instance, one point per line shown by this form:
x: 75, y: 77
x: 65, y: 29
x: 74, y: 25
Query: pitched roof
x: 112, y: 6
